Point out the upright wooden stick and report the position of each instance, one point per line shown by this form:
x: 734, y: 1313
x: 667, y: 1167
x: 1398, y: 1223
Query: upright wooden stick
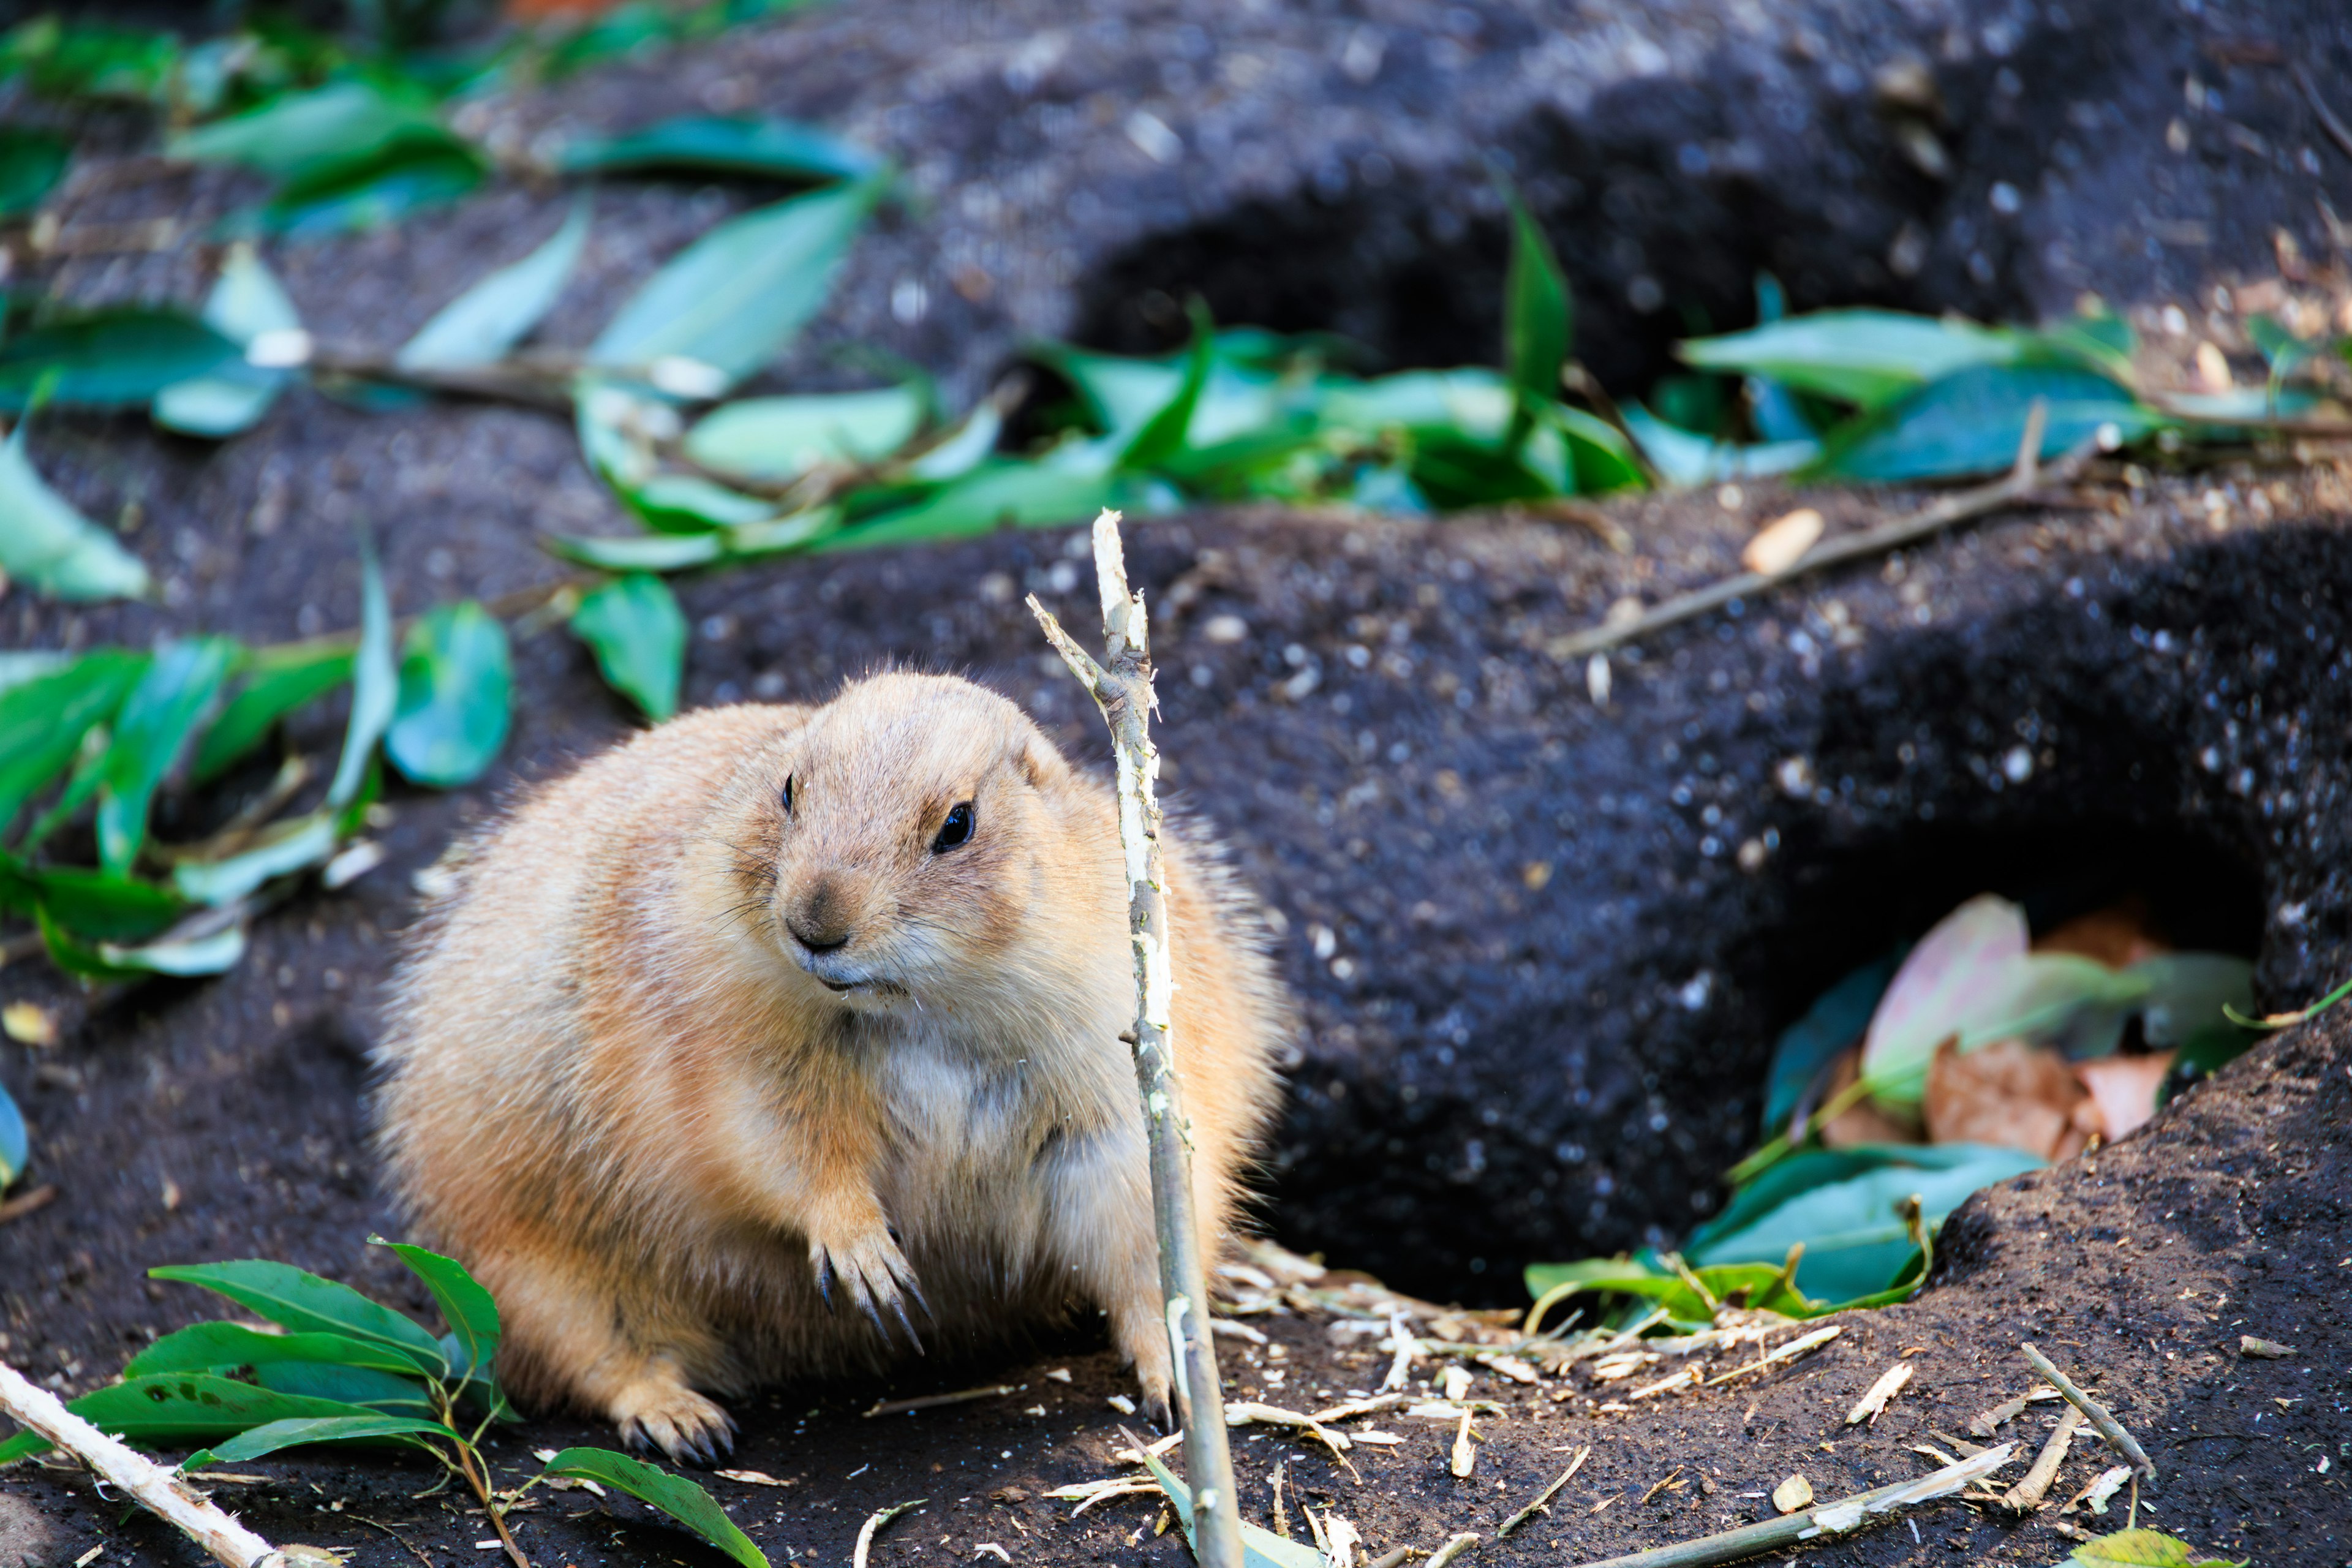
x: 1123, y: 691
x: 153, y: 1485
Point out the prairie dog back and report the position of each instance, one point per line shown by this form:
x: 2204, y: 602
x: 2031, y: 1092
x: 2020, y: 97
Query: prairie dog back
x: 779, y: 1037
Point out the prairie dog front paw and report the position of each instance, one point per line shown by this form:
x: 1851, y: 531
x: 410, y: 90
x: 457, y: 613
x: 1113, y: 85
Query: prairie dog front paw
x: 873, y: 1274
x: 655, y: 1410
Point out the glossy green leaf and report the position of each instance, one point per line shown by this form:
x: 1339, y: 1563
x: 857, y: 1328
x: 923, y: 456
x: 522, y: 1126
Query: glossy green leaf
x: 637, y: 631
x: 300, y: 131
x: 482, y: 323
x: 15, y: 1144
x: 115, y: 358
x: 675, y: 1496
x: 1537, y: 318
x: 455, y: 682
x: 1835, y: 1020
x: 182, y: 1407
x: 2143, y: 1549
x: 1261, y: 1548
x: 781, y: 437
x: 247, y: 301
x: 155, y: 723
x: 1685, y: 459
x: 465, y: 1305
x: 304, y: 1303
x: 772, y: 149
x: 995, y: 496
x: 1842, y: 1203
x: 279, y: 849
x: 274, y: 1435
x: 50, y: 547
x: 226, y: 1347
x: 389, y: 1393
x: 1973, y: 422
x: 1864, y: 357
x: 375, y: 682
x: 425, y: 169
x: 31, y: 163
x: 43, y: 720
x: 734, y: 298
x: 273, y: 686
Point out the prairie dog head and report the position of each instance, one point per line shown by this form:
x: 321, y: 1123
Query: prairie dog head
x: 920, y: 838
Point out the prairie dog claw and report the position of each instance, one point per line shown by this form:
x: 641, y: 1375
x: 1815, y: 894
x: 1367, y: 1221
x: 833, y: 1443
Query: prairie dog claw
x: 875, y: 1275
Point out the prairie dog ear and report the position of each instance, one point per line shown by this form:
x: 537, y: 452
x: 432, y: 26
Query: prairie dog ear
x: 1039, y: 763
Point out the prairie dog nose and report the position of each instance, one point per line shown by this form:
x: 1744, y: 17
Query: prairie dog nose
x: 820, y: 920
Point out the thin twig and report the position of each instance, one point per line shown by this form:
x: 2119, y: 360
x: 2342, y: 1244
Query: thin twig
x: 2017, y: 486
x: 2338, y: 131
x: 152, y: 1485
x: 933, y: 1401
x: 2027, y: 1495
x: 412, y: 1550
x: 1122, y: 691
x: 1545, y: 1496
x: 2110, y: 1428
x: 1826, y: 1519
x: 1454, y: 1546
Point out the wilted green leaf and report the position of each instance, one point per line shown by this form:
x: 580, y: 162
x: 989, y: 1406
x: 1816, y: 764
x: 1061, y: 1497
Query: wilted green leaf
x: 1685, y: 459
x: 733, y: 298
x: 486, y: 321
x: 225, y: 1347
x: 1842, y: 1203
x: 1261, y: 1548
x: 31, y: 163
x: 274, y: 685
x: 637, y: 631
x: 271, y: 1436
x: 156, y: 720
x: 116, y: 358
x: 375, y: 682
x: 43, y: 720
x: 277, y: 851
x: 772, y: 149
x: 1538, y: 322
x: 48, y: 546
x: 16, y: 1145
x: 452, y: 713
x: 472, y: 1315
x: 1973, y: 422
x: 245, y: 303
x: 674, y: 1495
x: 1862, y: 357
x: 2143, y: 1549
x: 781, y: 437
x: 1835, y: 1020
x: 181, y: 1407
x: 302, y: 1302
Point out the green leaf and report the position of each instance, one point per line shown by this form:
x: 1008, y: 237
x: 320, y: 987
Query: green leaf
x: 472, y: 1315
x: 31, y: 163
x: 107, y: 908
x: 783, y: 437
x: 182, y: 1407
x: 1973, y: 422
x: 246, y: 303
x: 2187, y: 1003
x: 116, y: 358
x: 1261, y: 1548
x: 208, y: 952
x: 274, y: 685
x: 375, y: 682
x: 153, y: 727
x: 689, y: 503
x: 389, y: 1393
x: 16, y: 1146
x: 733, y: 298
x: 1685, y: 459
x: 424, y: 169
x: 638, y: 632
x: 302, y: 131
x: 1537, y: 318
x: 1600, y: 458
x: 2143, y: 1549
x: 1165, y: 433
x: 993, y: 496
x: 674, y: 1495
x: 1840, y: 1203
x: 455, y: 681
x: 226, y: 1347
x: 43, y: 720
x: 47, y: 545
x: 296, y: 1299
x: 302, y: 1431
x: 1835, y: 1020
x: 641, y: 552
x: 772, y: 149
x: 1864, y: 357
x: 278, y: 850
x: 486, y: 321
x: 965, y: 449
x: 1465, y: 404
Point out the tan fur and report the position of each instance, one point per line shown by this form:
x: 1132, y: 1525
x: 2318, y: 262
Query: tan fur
x: 620, y: 1093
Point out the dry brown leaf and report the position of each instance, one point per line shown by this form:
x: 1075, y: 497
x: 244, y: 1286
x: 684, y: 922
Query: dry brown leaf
x: 2008, y: 1092
x: 2123, y: 1088
x: 1866, y: 1121
x: 1783, y: 542
x: 2118, y: 936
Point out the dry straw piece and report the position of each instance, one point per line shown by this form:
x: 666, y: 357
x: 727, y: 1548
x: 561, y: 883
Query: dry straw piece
x: 1890, y: 1383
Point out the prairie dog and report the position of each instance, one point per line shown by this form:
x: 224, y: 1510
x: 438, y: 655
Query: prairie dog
x: 777, y: 1036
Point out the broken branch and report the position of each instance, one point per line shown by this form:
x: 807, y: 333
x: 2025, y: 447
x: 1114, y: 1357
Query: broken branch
x: 2110, y: 1428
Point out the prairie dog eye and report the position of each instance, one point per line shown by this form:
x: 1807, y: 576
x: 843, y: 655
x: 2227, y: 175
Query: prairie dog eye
x: 787, y: 793
x: 957, y: 829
